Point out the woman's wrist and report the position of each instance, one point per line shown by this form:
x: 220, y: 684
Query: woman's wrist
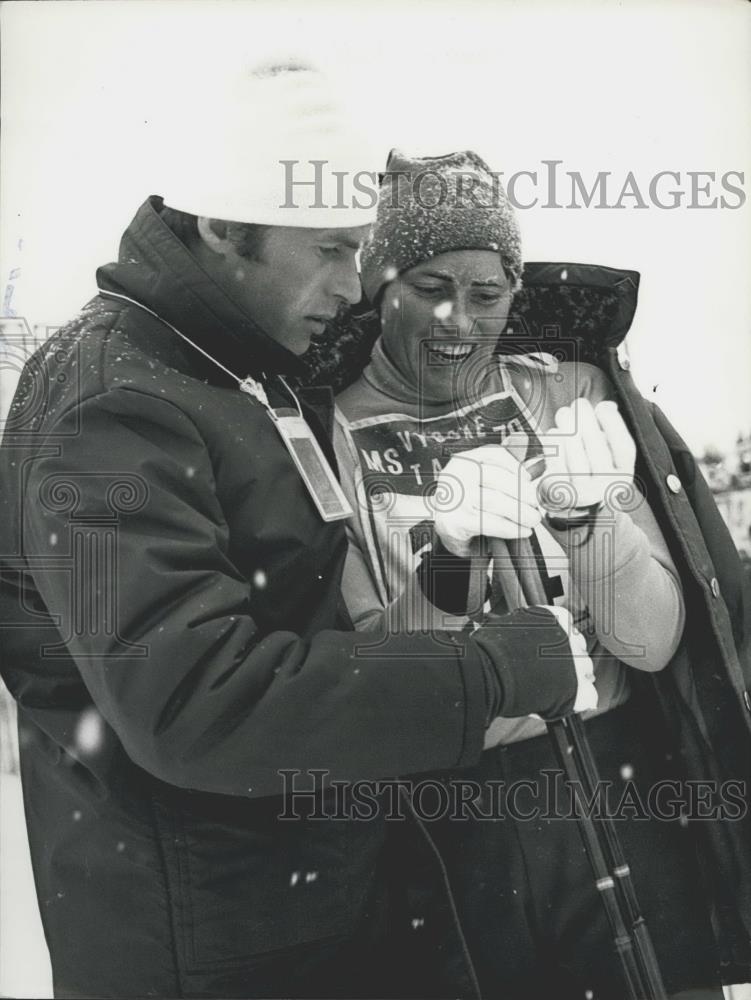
x: 574, y: 527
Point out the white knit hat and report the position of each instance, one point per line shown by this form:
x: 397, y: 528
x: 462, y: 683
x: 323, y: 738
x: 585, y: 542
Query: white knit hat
x: 228, y: 160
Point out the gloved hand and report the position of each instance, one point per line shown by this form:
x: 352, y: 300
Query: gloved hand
x: 485, y: 491
x: 586, y: 694
x: 594, y: 460
x: 536, y: 663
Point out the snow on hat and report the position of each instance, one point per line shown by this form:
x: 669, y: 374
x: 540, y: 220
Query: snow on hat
x: 434, y: 205
x: 227, y: 159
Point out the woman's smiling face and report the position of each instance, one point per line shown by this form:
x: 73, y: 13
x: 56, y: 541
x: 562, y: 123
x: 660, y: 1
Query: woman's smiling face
x: 441, y: 320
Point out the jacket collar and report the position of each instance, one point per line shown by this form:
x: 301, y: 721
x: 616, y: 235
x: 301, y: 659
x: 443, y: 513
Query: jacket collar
x: 588, y: 308
x: 156, y: 270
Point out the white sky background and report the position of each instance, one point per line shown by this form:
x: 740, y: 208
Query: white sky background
x: 598, y: 85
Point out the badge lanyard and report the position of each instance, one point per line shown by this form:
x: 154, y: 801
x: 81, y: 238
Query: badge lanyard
x: 298, y: 438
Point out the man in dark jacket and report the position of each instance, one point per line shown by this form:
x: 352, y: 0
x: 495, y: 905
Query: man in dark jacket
x: 172, y: 624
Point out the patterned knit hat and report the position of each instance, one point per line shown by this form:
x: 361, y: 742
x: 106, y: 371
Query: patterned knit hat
x: 434, y: 205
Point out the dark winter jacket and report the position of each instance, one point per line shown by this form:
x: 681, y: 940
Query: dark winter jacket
x: 585, y: 311
x: 174, y: 634
x: 154, y: 721
x: 701, y: 699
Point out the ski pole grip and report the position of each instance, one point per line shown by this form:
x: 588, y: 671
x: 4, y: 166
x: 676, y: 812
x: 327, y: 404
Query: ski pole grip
x: 525, y: 562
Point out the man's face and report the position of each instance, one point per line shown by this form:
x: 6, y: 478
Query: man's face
x: 441, y: 320
x: 298, y: 283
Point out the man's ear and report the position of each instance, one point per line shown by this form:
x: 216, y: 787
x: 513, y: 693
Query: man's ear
x: 214, y: 238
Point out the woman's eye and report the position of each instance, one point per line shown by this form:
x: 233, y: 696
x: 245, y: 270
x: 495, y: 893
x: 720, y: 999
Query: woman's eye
x: 329, y: 251
x: 488, y: 298
x: 428, y: 289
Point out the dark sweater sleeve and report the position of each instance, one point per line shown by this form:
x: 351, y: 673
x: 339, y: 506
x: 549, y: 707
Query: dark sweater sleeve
x: 455, y: 585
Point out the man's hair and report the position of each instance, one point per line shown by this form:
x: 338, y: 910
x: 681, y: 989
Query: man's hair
x: 246, y: 237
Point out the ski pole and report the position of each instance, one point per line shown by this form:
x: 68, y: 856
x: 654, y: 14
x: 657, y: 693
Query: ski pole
x: 604, y: 882
x: 612, y: 877
x: 620, y: 868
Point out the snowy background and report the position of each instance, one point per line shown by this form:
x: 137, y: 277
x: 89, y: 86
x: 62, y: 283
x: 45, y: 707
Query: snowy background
x: 598, y: 85
x: 601, y: 86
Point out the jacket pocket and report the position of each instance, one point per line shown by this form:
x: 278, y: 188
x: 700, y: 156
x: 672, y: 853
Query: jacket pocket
x: 246, y: 884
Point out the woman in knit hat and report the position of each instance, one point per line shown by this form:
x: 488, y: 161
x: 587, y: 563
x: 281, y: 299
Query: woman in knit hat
x: 441, y: 445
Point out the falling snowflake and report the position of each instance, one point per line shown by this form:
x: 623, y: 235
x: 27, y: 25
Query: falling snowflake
x: 418, y: 922
x: 76, y: 815
x: 89, y: 731
x: 190, y: 472
x: 53, y: 538
x: 120, y: 847
x: 311, y: 876
x: 627, y: 772
x: 259, y: 579
x: 294, y: 879
x: 442, y: 310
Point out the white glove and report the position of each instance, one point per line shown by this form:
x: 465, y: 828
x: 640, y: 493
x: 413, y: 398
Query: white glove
x: 594, y: 461
x: 586, y: 694
x: 485, y: 491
